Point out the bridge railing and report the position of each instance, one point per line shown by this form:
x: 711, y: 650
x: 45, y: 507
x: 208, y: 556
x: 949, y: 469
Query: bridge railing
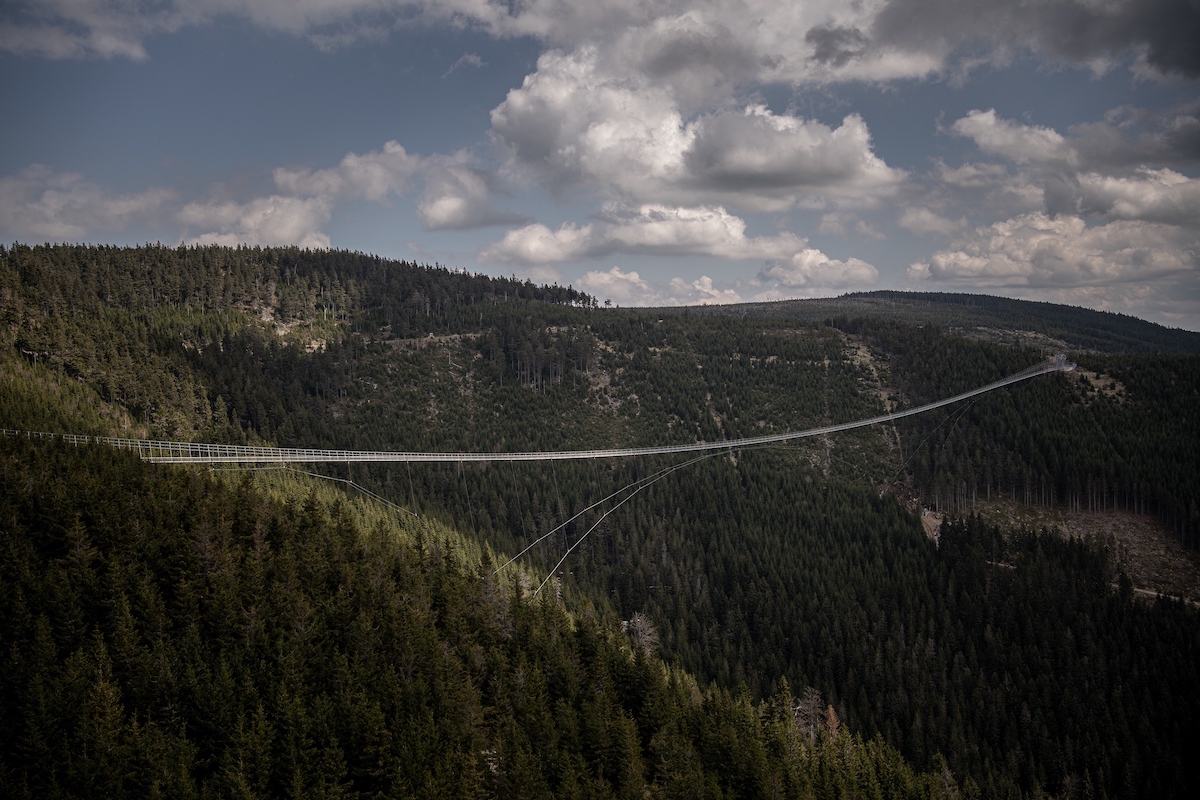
x: 203, y: 453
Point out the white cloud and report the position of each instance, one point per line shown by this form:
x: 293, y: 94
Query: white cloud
x: 788, y: 160
x: 969, y: 176
x: 459, y: 197
x: 541, y: 274
x: 691, y: 231
x: 1086, y: 173
x: 811, y: 267
x: 1127, y: 138
x: 305, y: 202
x: 1088, y: 217
x: 537, y: 244
x: 39, y: 203
x: 701, y: 292
x: 1161, y: 195
x: 1093, y: 34
x: 709, y: 45
x: 651, y: 104
x: 648, y: 229
x: 696, y: 57
x: 631, y: 289
x: 1022, y: 144
x: 373, y: 176
x: 1130, y: 136
x: 660, y: 230
x: 573, y: 123
x: 273, y: 220
x: 623, y: 288
x: 705, y: 43
x: 456, y: 196
x: 924, y: 221
x: 567, y: 123
x: 55, y: 42
x: 1035, y: 250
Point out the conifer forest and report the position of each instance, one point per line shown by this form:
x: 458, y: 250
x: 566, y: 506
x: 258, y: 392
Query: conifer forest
x: 948, y: 605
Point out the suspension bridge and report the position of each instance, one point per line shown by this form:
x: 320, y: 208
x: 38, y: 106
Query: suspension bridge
x: 165, y: 452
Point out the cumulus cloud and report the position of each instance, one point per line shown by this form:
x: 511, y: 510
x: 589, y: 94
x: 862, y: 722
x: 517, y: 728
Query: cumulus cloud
x: 1022, y: 144
x: 1131, y: 136
x: 703, y: 46
x: 39, y: 203
x: 1161, y: 195
x: 695, y: 56
x: 566, y: 123
x: 373, y: 175
x: 624, y: 288
x: 1127, y: 137
x: 631, y: 289
x: 701, y: 292
x: 537, y: 244
x: 649, y: 230
x: 1164, y: 31
x: 572, y: 123
x: 802, y: 271
x: 1144, y: 268
x: 458, y: 196
x: 273, y: 220
x: 1090, y: 215
x: 924, y: 221
x: 1097, y: 169
x: 651, y: 106
x: 973, y: 190
x: 969, y: 176
x: 305, y: 201
x: 1036, y: 250
x: 786, y: 158
x: 811, y: 267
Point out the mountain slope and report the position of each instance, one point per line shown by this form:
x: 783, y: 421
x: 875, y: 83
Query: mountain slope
x: 166, y: 634
x: 751, y: 566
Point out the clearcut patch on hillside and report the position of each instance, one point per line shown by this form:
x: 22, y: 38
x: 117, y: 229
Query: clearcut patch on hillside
x: 1152, y: 557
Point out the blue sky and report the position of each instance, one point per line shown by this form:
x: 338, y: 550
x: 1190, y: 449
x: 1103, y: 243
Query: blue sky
x: 647, y: 152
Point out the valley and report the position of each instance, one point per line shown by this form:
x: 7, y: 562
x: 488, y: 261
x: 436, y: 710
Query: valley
x: 760, y: 577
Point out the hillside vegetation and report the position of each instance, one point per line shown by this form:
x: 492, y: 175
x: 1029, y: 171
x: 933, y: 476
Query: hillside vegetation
x: 1009, y: 662
x: 168, y: 635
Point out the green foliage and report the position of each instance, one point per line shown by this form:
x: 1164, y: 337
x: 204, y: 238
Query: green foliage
x: 1055, y: 440
x: 168, y: 635
x: 206, y: 638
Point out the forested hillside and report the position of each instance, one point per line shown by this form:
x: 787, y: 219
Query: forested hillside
x: 168, y: 635
x: 1124, y: 441
x: 1017, y: 661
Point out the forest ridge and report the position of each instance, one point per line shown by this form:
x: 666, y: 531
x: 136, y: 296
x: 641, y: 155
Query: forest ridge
x: 973, y: 666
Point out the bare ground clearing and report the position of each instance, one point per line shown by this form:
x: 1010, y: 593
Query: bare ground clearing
x: 1152, y: 557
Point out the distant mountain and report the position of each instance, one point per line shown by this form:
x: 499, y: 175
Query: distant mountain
x: 999, y: 319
